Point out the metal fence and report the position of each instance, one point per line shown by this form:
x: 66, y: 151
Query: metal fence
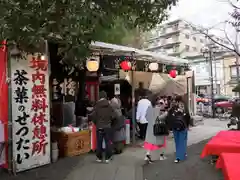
x: 204, y: 110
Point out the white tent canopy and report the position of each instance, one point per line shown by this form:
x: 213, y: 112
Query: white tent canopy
x: 156, y: 82
x: 112, y: 49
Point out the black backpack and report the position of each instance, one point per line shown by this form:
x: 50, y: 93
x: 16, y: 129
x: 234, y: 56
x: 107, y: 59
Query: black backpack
x: 179, y: 122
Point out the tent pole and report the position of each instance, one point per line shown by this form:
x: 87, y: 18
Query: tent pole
x: 133, y: 108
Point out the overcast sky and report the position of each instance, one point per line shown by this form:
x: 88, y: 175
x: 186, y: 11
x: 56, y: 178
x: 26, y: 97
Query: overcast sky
x: 206, y: 13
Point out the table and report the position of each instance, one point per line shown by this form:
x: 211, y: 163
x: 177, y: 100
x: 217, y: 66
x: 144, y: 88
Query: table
x: 229, y: 163
x: 223, y: 142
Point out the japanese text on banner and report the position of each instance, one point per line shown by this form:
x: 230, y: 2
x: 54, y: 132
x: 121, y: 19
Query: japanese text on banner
x: 39, y: 105
x: 30, y: 112
x: 21, y: 99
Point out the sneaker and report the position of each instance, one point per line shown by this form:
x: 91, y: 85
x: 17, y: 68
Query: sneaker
x: 108, y: 160
x: 228, y: 125
x: 162, y: 157
x: 148, y: 158
x: 98, y: 160
x: 177, y: 160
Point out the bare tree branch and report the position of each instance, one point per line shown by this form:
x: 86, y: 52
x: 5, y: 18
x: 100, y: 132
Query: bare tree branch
x: 228, y: 38
x: 205, y: 31
x: 233, y: 5
x: 220, y: 44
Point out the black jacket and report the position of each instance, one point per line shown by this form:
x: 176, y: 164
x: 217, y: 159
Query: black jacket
x: 103, y: 115
x: 81, y: 107
x: 170, y: 118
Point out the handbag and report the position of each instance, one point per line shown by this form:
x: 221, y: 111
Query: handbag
x: 160, y: 127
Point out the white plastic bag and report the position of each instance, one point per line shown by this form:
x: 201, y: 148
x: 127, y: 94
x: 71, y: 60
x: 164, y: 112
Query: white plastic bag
x: 104, y: 144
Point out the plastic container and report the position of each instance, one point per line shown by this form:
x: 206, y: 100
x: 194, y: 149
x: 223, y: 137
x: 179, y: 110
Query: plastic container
x: 55, y: 152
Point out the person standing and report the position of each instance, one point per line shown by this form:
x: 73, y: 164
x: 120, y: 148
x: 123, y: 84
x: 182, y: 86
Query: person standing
x: 141, y: 91
x: 81, y: 109
x: 155, y: 112
x: 179, y: 121
x: 142, y: 107
x: 103, y: 116
x: 119, y: 134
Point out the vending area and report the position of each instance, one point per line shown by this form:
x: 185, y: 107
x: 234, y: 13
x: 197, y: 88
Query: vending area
x: 45, y: 101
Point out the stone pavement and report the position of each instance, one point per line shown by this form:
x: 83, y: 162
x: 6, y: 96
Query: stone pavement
x: 203, y: 131
x: 127, y: 166
x: 193, y: 168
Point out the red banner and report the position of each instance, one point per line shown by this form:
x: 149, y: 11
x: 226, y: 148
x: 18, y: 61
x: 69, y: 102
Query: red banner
x: 4, y: 102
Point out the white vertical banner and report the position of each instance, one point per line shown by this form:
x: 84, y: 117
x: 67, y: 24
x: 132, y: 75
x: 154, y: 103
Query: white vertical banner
x: 30, y: 111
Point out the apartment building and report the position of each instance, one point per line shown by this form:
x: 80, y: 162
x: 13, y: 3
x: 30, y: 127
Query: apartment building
x: 230, y: 74
x: 224, y: 73
x: 177, y: 38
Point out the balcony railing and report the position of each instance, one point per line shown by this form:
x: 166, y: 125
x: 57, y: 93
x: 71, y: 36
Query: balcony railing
x: 170, y: 30
x: 163, y: 42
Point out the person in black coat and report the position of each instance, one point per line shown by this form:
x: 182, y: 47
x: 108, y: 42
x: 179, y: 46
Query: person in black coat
x: 81, y: 109
x: 179, y: 121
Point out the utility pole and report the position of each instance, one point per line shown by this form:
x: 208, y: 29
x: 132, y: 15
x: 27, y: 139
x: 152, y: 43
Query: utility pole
x: 237, y: 57
x: 211, y: 79
x: 216, y: 77
x: 208, y: 53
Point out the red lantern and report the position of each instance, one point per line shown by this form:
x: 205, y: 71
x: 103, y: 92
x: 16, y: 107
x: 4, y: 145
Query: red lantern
x: 173, y: 73
x: 126, y: 65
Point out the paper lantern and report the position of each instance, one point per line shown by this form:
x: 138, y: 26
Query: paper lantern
x: 153, y: 66
x: 173, y: 73
x: 125, y: 65
x: 43, y: 57
x: 92, y: 64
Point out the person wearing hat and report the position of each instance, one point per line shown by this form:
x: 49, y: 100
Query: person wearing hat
x: 103, y: 116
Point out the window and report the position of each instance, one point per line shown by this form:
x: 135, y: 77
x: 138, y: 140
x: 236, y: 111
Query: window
x: 186, y: 36
x: 163, y: 41
x: 186, y: 26
x: 187, y: 47
x: 201, y: 40
x: 198, y: 70
x: 176, y: 48
x: 236, y: 94
x: 163, y: 30
x: 175, y: 26
x: 194, y: 38
x: 233, y: 71
x: 175, y: 38
x: 194, y: 49
x: 155, y: 43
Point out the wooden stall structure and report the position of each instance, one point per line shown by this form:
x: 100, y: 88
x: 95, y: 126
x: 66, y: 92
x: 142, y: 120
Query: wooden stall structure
x: 55, y: 88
